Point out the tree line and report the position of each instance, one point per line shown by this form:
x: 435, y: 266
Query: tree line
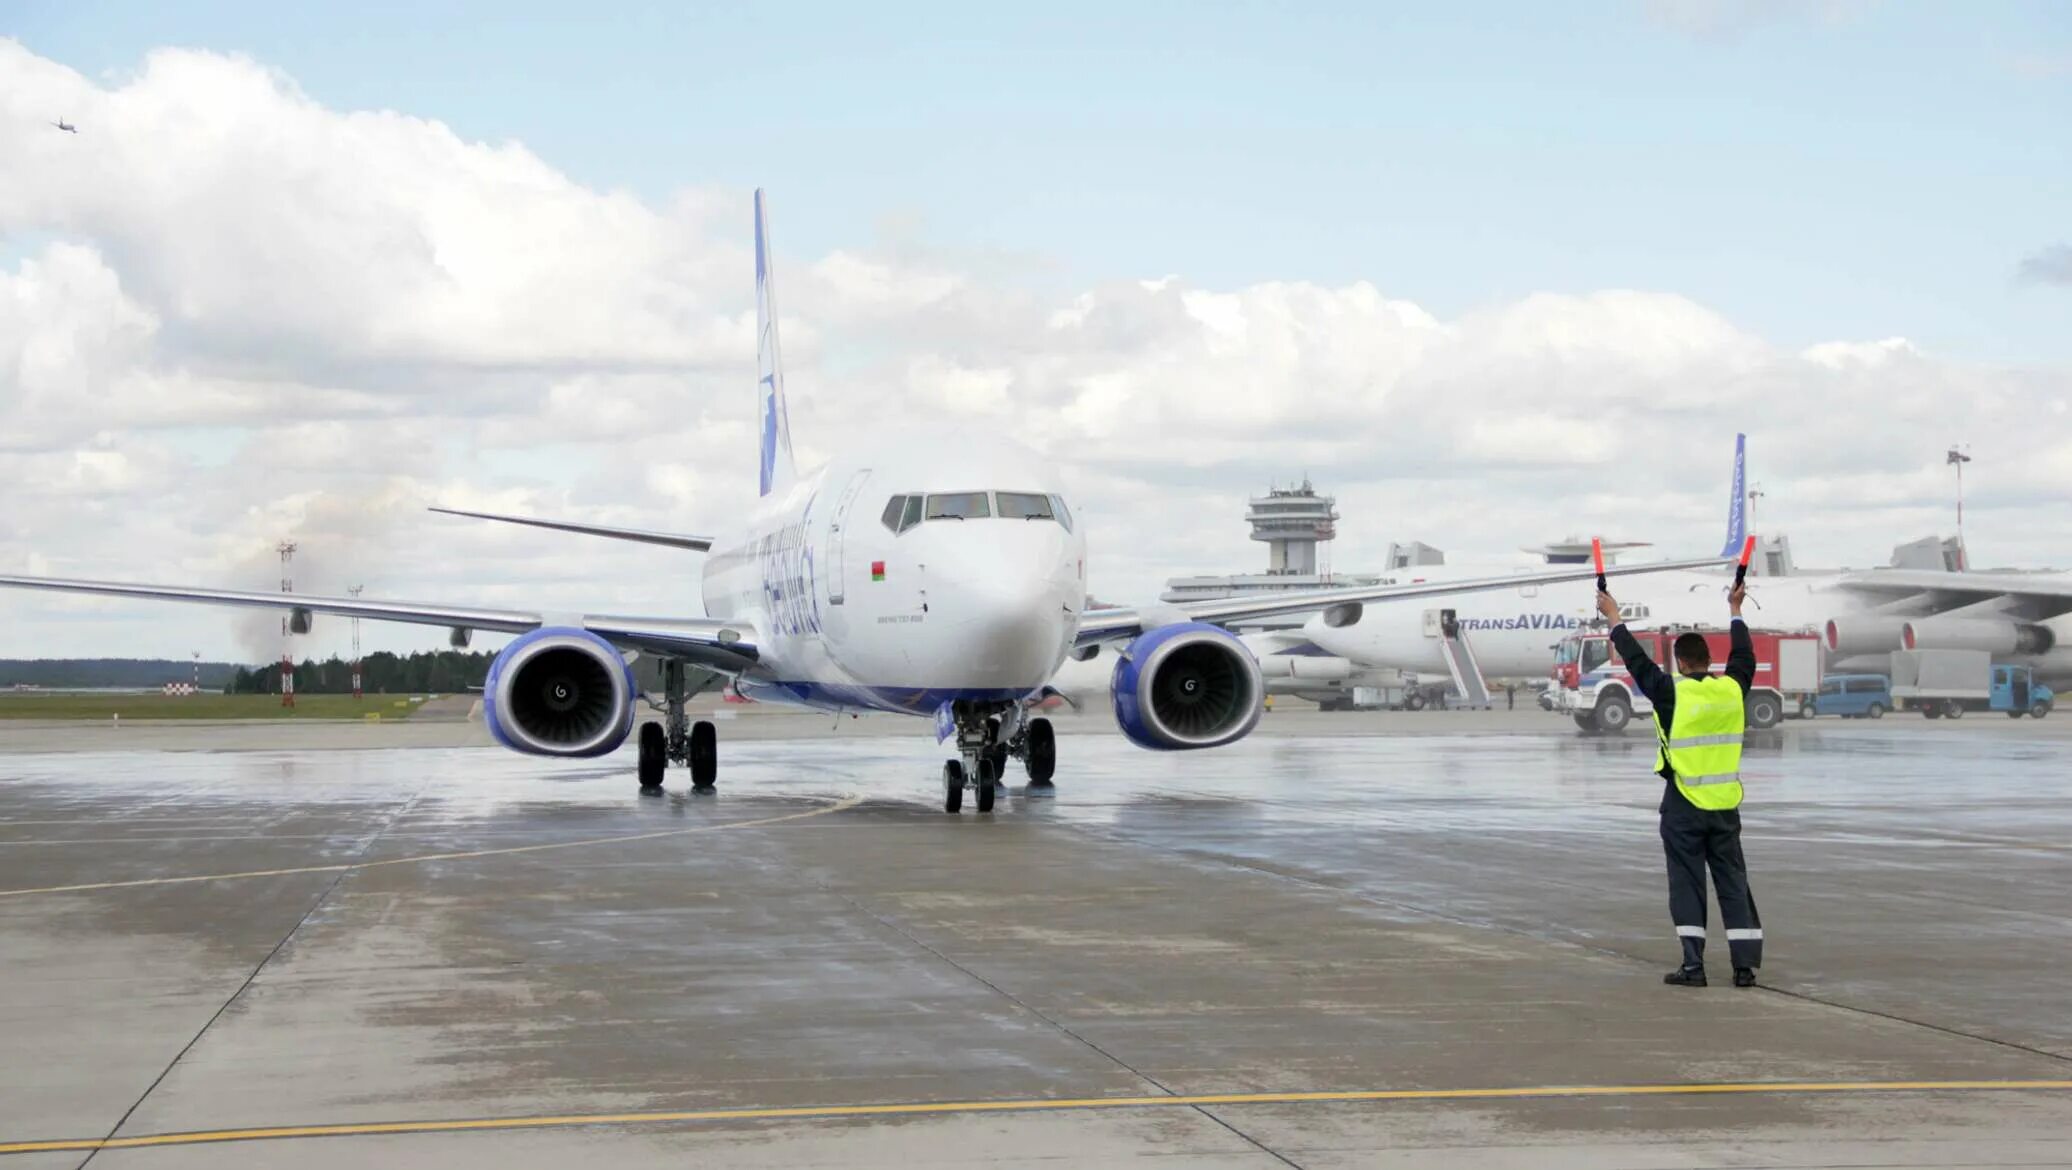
x: 67, y: 673
x: 423, y: 672
x: 381, y: 673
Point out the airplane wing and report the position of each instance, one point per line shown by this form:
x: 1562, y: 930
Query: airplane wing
x: 641, y: 535
x: 721, y: 646
x: 1104, y: 625
x: 2056, y: 586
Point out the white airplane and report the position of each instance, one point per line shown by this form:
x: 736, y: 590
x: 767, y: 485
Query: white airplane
x: 1862, y: 616
x: 937, y: 575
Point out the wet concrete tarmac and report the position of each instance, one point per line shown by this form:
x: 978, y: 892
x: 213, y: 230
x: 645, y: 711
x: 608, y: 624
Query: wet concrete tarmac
x: 296, y: 939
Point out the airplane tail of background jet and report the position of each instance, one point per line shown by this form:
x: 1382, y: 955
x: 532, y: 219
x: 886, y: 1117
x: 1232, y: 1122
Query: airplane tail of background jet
x: 775, y: 421
x: 1737, y: 504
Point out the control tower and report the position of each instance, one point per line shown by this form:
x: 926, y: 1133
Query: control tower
x: 1293, y: 522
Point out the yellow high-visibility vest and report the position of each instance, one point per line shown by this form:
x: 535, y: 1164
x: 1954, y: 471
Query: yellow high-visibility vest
x: 1703, y: 745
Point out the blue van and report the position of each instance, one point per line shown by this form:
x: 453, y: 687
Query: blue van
x: 1852, y: 696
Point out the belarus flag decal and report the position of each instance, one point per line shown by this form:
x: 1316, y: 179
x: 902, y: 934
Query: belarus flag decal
x: 877, y: 570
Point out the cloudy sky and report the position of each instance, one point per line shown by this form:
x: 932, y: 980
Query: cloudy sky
x: 1493, y: 276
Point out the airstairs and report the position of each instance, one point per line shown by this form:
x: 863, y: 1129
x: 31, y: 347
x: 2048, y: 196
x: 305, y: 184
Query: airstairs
x: 1459, y: 658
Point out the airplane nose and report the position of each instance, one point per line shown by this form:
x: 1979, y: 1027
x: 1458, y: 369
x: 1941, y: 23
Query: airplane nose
x: 1016, y: 631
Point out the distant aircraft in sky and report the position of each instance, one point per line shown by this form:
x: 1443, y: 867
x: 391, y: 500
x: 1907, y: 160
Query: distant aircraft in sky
x: 928, y: 574
x: 67, y: 127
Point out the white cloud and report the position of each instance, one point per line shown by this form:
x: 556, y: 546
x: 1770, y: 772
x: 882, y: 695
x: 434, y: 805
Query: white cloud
x: 233, y: 315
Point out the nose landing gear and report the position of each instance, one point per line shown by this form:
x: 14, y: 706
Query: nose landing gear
x: 988, y: 735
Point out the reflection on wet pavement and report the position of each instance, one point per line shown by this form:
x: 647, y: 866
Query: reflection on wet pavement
x: 1285, y: 915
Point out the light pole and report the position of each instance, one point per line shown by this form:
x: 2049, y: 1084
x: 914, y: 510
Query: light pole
x: 355, y: 591
x: 1957, y: 459
x: 287, y: 550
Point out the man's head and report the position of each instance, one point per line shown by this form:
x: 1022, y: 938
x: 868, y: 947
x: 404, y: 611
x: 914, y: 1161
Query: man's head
x: 1693, y: 656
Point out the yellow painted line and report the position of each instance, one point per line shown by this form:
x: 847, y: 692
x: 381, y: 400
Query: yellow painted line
x: 1033, y: 1105
x: 846, y: 802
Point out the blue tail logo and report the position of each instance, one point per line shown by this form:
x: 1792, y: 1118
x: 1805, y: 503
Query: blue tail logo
x: 1737, y: 504
x: 774, y: 421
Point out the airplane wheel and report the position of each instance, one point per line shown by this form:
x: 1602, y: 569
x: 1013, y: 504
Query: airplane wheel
x: 654, y: 754
x: 953, y: 787
x: 988, y: 784
x: 704, y: 755
x: 1043, y: 753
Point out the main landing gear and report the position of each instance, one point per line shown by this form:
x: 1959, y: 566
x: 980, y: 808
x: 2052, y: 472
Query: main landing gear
x: 988, y: 735
x: 676, y: 739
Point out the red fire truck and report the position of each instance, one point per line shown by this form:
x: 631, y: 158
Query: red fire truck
x: 1592, y: 686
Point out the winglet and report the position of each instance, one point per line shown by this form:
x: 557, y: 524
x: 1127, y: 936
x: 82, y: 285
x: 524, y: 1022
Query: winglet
x: 1737, y: 504
x: 774, y: 421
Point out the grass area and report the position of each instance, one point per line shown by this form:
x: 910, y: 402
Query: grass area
x: 59, y: 705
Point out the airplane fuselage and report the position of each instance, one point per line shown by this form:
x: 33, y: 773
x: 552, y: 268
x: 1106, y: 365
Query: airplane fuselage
x: 857, y: 604
x: 1513, y: 632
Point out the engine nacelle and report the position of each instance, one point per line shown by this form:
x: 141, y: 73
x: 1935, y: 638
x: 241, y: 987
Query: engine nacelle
x: 1185, y: 686
x: 1996, y: 636
x: 1317, y: 668
x: 1865, y: 634
x: 559, y: 691
x: 2055, y: 664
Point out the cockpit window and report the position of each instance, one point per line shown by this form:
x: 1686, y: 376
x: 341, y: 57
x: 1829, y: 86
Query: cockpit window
x: 893, y: 511
x: 913, y: 513
x: 959, y: 506
x: 1024, y: 506
x: 1064, y: 513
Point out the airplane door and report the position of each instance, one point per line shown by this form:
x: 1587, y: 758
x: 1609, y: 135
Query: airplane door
x: 837, y: 586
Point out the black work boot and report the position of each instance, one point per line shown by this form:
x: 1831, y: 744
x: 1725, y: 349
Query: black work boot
x: 1685, y: 977
x: 1744, y: 976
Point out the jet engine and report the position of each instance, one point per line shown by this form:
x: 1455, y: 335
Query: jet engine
x: 1997, y: 635
x: 1865, y: 634
x: 559, y: 692
x: 2056, y: 662
x: 1186, y: 685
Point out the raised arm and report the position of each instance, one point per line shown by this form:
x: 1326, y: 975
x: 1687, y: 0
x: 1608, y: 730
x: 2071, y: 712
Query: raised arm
x: 1653, y: 681
x: 1741, y: 651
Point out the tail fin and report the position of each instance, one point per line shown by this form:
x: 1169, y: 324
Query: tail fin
x: 777, y: 467
x: 1737, y: 506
